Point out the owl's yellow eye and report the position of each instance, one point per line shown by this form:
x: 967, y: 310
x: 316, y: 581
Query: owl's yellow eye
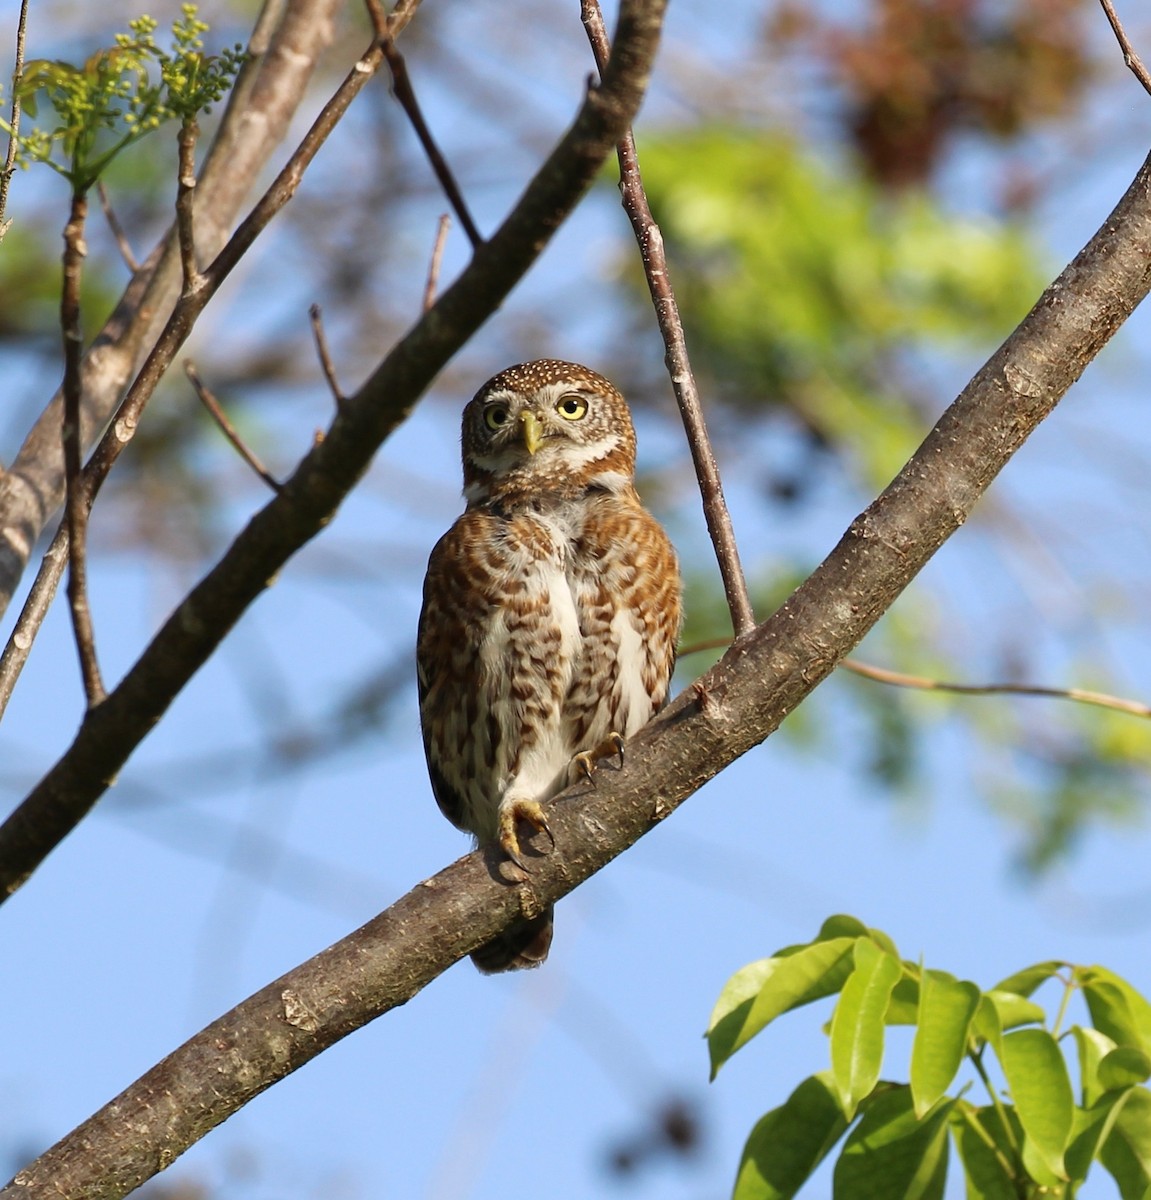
x: 495, y: 415
x: 572, y: 408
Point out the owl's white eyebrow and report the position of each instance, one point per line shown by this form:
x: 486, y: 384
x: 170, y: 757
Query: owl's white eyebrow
x: 505, y: 396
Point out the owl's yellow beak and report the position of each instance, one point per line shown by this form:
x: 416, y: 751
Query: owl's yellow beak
x: 533, y: 431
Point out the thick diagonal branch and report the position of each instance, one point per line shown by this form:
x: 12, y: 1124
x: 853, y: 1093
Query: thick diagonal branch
x: 724, y: 714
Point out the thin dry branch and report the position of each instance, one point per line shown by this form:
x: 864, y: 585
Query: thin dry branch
x: 118, y: 234
x: 402, y: 89
x: 316, y: 316
x: 13, y: 118
x: 1133, y: 61
x: 650, y: 240
x: 185, y: 204
x: 35, y: 609
x: 433, y: 280
x: 209, y: 401
x: 78, y: 499
x: 1134, y: 708
x: 732, y: 708
x: 335, y: 463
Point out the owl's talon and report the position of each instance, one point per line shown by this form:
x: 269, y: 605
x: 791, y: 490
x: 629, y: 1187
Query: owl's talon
x: 521, y: 810
x: 586, y: 760
x: 583, y: 763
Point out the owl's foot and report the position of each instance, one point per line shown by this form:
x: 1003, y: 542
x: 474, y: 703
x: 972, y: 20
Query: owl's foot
x: 510, y: 814
x: 586, y: 761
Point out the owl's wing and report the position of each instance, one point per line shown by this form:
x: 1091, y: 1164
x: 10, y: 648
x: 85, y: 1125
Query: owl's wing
x: 447, y: 657
x: 629, y: 597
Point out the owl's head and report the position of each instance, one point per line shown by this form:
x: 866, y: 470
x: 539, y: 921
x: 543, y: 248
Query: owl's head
x: 546, y: 428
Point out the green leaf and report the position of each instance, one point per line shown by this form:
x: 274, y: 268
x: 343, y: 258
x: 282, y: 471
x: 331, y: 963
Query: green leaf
x: 789, y: 1142
x: 946, y: 1008
x: 988, y: 1167
x: 1041, y: 1091
x: 762, y: 991
x: 1116, y: 1008
x: 1092, y: 1128
x: 841, y: 925
x: 904, y: 1006
x: 1014, y: 1010
x: 890, y: 1155
x: 1093, y: 1046
x: 1127, y: 1151
x: 1024, y: 982
x: 987, y: 1026
x: 857, y: 1024
x: 1123, y: 1067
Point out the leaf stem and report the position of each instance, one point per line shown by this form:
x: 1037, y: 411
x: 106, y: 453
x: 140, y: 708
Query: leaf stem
x: 976, y: 1057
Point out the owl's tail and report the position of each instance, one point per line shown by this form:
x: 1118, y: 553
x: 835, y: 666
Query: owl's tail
x: 523, y: 944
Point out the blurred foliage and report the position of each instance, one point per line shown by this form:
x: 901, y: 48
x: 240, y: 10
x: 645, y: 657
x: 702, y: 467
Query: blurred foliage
x: 810, y: 289
x: 118, y: 95
x: 917, y: 73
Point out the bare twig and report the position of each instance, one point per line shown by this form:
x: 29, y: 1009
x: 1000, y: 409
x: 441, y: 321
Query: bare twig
x: 1133, y: 61
x: 32, y: 615
x: 402, y: 90
x: 78, y: 498
x: 185, y: 197
x: 316, y: 315
x: 1134, y: 708
x: 650, y: 241
x: 436, y: 259
x: 210, y: 402
x: 14, y: 118
x: 122, y: 243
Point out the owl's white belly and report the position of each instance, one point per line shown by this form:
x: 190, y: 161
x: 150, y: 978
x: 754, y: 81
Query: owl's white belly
x: 526, y: 668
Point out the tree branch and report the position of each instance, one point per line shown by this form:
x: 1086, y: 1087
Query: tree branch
x: 433, y: 280
x: 731, y: 709
x: 1132, y: 708
x: 404, y: 93
x: 309, y: 499
x: 650, y: 240
x: 316, y: 316
x: 118, y: 234
x: 77, y: 495
x: 209, y: 401
x: 1134, y: 62
x: 14, y: 118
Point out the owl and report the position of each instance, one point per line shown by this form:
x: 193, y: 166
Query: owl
x: 550, y: 617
